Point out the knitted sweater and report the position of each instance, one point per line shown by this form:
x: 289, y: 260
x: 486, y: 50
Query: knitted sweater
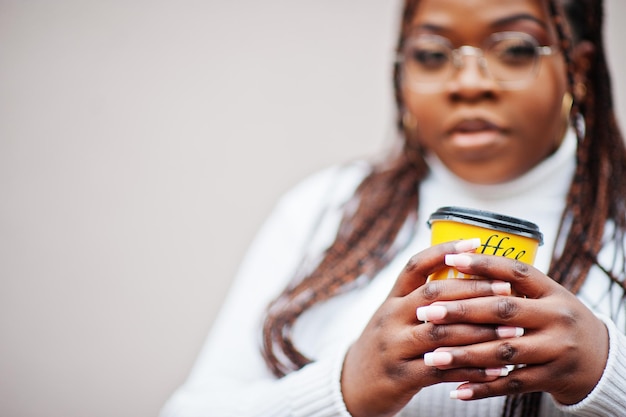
x: 230, y: 378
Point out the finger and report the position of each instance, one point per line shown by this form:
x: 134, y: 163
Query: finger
x: 495, y: 310
x: 519, y: 381
x: 525, y: 278
x: 421, y: 265
x: 430, y: 376
x: 426, y: 337
x: 532, y: 349
x: 432, y: 294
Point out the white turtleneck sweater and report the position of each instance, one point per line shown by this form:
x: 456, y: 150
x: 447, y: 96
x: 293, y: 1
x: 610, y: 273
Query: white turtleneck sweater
x: 230, y: 378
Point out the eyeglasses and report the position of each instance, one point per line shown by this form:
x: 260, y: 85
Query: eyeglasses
x: 509, y: 58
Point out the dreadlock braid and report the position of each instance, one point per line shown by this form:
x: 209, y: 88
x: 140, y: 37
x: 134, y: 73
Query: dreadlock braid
x: 597, y: 191
x: 386, y: 198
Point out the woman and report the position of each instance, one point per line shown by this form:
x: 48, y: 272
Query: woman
x: 504, y: 106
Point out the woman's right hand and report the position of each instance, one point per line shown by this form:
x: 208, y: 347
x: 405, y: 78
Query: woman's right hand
x: 385, y: 367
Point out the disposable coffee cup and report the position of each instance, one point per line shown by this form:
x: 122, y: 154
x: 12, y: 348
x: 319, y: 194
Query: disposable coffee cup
x: 499, y: 235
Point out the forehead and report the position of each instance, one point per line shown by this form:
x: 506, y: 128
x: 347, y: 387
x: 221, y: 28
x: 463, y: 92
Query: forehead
x: 450, y: 14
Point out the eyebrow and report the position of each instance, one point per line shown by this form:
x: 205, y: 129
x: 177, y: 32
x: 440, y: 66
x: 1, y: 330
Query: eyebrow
x: 520, y: 16
x: 500, y: 22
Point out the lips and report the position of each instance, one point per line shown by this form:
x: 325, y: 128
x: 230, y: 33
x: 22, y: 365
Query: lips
x: 475, y: 138
x: 474, y: 126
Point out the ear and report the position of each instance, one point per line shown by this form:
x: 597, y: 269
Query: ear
x: 583, y: 56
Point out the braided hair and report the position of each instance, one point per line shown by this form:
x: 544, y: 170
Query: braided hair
x: 388, y: 197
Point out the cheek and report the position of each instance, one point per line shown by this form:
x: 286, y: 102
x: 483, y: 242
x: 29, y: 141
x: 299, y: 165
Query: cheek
x: 541, y: 110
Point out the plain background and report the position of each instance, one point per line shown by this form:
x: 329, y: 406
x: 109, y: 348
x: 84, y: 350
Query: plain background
x: 142, y: 143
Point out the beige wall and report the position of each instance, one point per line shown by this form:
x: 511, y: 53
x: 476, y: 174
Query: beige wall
x: 141, y: 145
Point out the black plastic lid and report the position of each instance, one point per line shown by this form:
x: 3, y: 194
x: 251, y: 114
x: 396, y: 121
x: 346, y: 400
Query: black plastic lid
x: 484, y: 218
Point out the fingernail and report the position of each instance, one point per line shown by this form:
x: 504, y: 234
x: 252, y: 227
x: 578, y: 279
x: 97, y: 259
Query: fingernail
x: 462, y: 394
x: 497, y: 371
x: 467, y: 245
x: 507, y: 332
x: 458, y: 259
x: 501, y: 288
x: 437, y: 358
x: 431, y: 313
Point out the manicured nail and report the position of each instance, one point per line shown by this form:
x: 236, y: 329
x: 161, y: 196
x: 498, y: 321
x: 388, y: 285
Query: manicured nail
x: 458, y: 259
x: 437, y: 358
x: 462, y: 394
x: 467, y: 245
x: 431, y: 313
x: 501, y: 288
x: 507, y: 332
x: 497, y: 371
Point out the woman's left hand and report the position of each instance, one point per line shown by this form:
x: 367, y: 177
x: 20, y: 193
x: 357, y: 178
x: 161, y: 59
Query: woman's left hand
x: 564, y: 348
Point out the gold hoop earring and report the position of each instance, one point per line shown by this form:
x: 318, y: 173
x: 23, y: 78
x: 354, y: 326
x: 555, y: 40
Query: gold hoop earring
x: 566, y: 106
x: 408, y: 121
x: 566, y: 109
x: 580, y: 90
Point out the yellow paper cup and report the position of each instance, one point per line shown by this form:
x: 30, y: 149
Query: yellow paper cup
x: 499, y: 235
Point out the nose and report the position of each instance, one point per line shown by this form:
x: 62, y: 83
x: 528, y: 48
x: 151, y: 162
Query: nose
x: 471, y: 77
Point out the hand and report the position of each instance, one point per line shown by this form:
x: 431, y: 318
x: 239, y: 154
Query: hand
x: 564, y: 348
x: 385, y: 368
